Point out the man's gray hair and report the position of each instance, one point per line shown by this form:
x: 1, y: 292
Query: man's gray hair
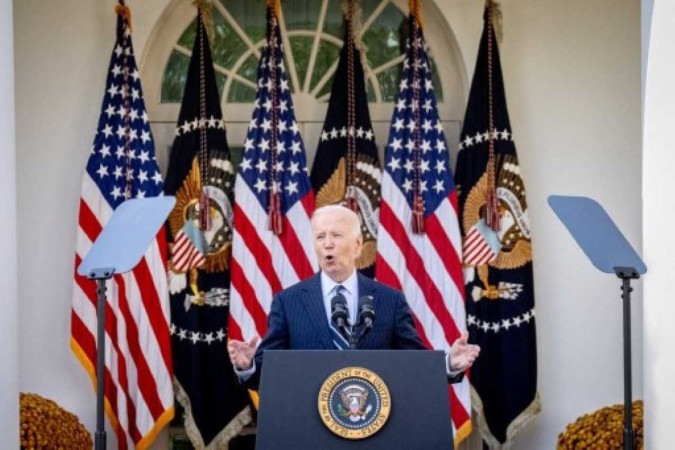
x: 342, y: 210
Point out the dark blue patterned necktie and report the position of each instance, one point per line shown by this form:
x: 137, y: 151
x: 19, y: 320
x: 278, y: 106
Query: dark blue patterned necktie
x: 339, y: 339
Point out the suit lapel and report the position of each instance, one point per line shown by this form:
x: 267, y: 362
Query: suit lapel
x: 316, y: 311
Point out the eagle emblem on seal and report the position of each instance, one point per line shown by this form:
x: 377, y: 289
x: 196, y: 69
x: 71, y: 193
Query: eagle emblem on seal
x: 511, y: 246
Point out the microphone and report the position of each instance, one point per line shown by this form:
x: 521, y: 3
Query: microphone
x: 366, y: 318
x: 366, y: 312
x: 339, y: 313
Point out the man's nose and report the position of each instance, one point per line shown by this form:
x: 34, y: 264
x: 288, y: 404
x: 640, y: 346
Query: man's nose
x: 328, y: 242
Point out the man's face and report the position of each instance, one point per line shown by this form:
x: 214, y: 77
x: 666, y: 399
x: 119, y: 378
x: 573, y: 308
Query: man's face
x: 336, y: 244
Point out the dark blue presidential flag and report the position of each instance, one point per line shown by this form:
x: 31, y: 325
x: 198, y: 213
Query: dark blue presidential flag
x: 201, y: 177
x: 497, y: 256
x: 346, y: 169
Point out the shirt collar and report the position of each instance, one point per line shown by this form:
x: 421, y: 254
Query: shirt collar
x: 350, y: 284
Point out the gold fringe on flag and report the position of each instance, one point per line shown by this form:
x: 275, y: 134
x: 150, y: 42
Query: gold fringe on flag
x: 122, y: 10
x: 205, y: 8
x: 415, y: 7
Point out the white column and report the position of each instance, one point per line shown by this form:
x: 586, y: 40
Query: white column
x: 9, y: 348
x: 658, y: 225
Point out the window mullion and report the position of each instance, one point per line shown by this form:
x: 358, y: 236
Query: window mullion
x: 315, y: 46
x: 376, y: 88
x: 235, y: 25
x: 389, y: 64
x: 235, y: 69
x: 325, y: 78
x: 218, y: 68
x: 290, y: 60
x: 376, y: 12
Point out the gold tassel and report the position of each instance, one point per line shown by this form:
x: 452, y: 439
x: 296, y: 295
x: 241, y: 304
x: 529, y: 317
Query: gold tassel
x: 204, y: 211
x: 415, y: 7
x: 125, y: 12
x: 418, y: 214
x: 353, y: 204
x: 276, y: 224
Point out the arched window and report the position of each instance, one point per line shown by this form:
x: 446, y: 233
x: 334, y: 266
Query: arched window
x: 312, y: 32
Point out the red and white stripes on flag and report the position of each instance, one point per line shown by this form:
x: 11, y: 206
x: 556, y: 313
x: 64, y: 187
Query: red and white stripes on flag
x: 427, y: 269
x: 263, y: 263
x: 138, y: 368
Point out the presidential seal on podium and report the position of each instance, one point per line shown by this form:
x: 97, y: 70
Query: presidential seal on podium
x: 354, y: 403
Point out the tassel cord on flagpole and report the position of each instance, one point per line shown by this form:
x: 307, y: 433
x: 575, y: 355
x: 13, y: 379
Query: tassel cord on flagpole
x: 492, y: 202
x: 203, y: 154
x: 274, y: 207
x: 418, y: 199
x: 352, y: 201
x: 125, y: 16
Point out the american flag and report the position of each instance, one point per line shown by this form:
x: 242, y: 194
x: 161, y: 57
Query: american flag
x: 423, y: 259
x: 121, y: 166
x: 272, y: 248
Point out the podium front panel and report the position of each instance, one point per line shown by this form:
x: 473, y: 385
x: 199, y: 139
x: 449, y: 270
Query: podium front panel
x: 292, y: 379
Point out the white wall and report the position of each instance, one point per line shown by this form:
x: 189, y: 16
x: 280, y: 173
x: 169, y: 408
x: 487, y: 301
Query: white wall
x: 572, y: 73
x: 659, y: 241
x: 62, y: 53
x: 9, y: 348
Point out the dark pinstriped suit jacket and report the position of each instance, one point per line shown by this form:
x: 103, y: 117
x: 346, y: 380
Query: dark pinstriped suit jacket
x: 298, y: 320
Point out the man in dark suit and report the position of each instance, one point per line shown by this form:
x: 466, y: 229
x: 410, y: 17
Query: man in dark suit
x: 300, y: 316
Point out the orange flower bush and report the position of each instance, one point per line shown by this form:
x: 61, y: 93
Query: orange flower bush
x: 602, y: 430
x: 45, y: 425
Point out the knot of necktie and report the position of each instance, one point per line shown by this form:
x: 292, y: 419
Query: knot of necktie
x: 340, y: 318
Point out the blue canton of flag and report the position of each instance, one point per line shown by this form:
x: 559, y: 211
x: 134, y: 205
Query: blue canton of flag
x: 124, y: 168
x: 416, y: 96
x: 287, y: 173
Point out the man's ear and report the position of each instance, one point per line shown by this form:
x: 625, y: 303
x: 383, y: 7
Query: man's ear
x: 359, y: 245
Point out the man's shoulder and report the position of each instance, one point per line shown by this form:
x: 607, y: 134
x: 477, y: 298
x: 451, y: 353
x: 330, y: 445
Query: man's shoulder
x: 380, y: 288
x: 301, y: 286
